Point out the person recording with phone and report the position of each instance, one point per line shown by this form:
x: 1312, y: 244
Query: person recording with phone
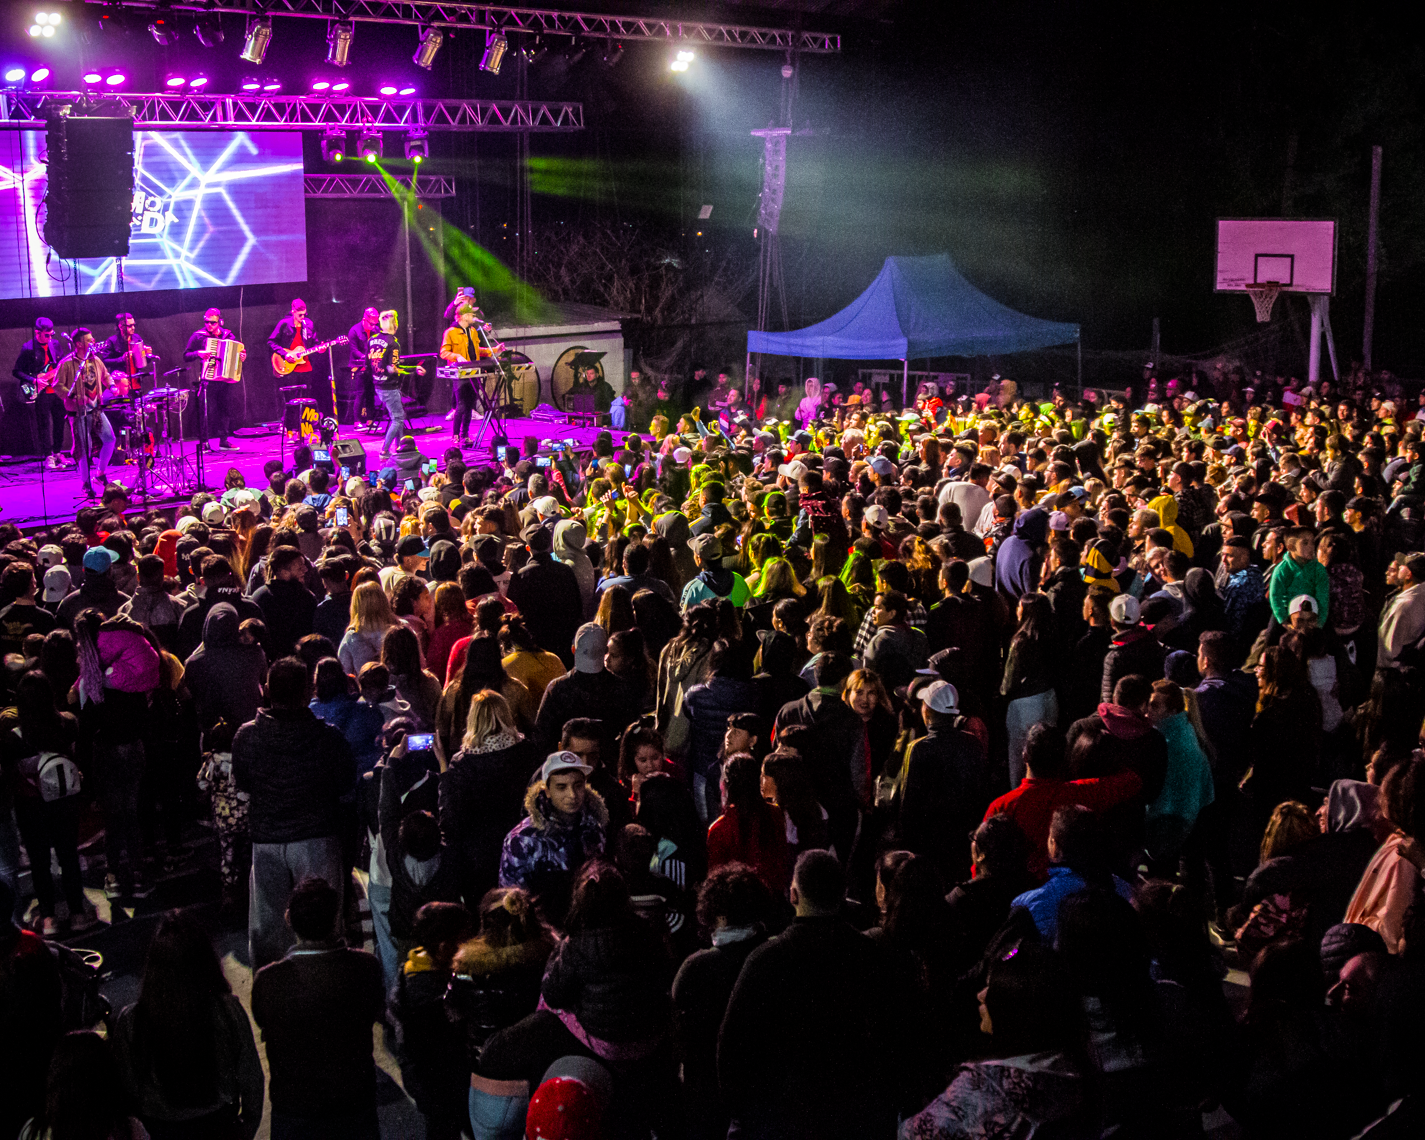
x: 34, y: 369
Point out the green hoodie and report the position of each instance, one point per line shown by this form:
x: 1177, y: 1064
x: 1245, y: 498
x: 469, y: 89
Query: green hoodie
x: 1290, y: 578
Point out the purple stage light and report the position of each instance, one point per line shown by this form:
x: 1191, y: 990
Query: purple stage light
x: 408, y: 90
x: 321, y: 85
x: 341, y: 86
x: 174, y: 81
x: 14, y: 74
x: 198, y: 81
x: 92, y: 77
x: 39, y: 75
x: 251, y: 85
x: 388, y: 89
x: 117, y: 78
x: 272, y: 85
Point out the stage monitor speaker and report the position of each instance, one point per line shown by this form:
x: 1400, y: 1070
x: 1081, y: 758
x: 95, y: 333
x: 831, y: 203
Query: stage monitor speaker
x: 348, y: 453
x: 90, y: 187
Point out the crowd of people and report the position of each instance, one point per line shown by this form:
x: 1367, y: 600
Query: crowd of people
x: 795, y: 769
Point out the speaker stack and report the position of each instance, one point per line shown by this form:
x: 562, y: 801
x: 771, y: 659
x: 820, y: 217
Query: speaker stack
x: 90, y: 189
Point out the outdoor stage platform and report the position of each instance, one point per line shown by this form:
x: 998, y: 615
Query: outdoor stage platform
x: 30, y: 501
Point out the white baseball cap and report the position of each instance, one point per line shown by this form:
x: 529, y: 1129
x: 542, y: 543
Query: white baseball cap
x: 941, y: 697
x: 1125, y: 610
x: 563, y: 762
x: 793, y: 470
x: 1304, y: 602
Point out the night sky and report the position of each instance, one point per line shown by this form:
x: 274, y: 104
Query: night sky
x: 1070, y: 158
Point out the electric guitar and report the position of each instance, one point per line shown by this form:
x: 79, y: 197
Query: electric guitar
x: 30, y: 389
x: 281, y: 366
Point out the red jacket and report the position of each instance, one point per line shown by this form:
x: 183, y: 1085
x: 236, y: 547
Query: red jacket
x: 730, y: 842
x: 1033, y: 803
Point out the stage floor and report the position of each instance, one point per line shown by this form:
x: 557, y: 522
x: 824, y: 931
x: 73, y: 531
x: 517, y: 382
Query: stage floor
x: 32, y: 497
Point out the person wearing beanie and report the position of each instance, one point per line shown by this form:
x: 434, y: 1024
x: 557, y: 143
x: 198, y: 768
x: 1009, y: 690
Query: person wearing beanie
x: 588, y: 690
x: 547, y: 594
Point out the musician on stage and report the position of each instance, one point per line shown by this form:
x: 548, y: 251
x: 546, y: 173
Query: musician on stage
x: 219, y: 395
x: 384, y: 360
x: 462, y: 345
x: 34, y: 369
x: 357, y: 396
x: 125, y: 354
x: 83, y: 382
x: 293, y: 333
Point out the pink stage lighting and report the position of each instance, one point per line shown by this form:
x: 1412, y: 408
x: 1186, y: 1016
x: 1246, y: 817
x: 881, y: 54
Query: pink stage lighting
x: 117, y: 78
x: 92, y: 77
x: 321, y: 85
x: 343, y: 85
x: 387, y: 89
x: 39, y: 75
x: 198, y: 81
x: 174, y: 81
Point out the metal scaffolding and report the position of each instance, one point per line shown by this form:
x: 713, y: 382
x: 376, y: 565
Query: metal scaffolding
x: 546, y: 21
x: 25, y: 110
x: 373, y: 186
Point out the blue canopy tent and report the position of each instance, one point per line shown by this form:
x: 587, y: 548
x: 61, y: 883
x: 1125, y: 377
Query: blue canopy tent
x: 917, y: 306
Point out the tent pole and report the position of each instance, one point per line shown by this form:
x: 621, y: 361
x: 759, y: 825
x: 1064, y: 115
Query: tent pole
x: 905, y: 383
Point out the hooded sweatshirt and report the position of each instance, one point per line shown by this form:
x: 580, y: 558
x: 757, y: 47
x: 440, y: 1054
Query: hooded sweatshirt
x: 1187, y: 786
x: 673, y: 526
x: 1167, y: 508
x: 569, y: 538
x: 224, y: 675
x: 1017, y: 564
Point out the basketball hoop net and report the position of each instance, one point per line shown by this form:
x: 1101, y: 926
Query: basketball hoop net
x: 1264, y: 296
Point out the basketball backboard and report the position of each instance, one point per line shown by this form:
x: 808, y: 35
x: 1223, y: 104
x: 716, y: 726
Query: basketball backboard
x: 1300, y: 256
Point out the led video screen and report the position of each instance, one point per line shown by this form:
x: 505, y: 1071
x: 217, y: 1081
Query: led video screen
x: 210, y: 208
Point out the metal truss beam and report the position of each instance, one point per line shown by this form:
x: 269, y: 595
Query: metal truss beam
x: 373, y: 186
x: 24, y: 110
x: 454, y: 14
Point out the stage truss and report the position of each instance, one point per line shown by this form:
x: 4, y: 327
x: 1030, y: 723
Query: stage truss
x: 374, y: 186
x: 543, y: 21
x: 25, y: 110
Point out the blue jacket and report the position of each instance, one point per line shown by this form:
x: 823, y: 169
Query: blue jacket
x: 544, y: 846
x: 1017, y: 563
x: 1042, y: 903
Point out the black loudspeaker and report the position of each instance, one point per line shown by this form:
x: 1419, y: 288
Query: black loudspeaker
x: 348, y: 453
x: 90, y: 189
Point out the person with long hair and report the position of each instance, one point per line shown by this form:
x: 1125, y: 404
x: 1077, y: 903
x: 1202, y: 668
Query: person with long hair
x: 1391, y: 883
x: 640, y: 755
x: 666, y: 809
x: 787, y: 784
x: 524, y: 660
x: 450, y: 621
x: 482, y: 788
x: 84, y: 1096
x: 371, y: 617
x: 615, y: 612
x: 186, y: 1048
x: 684, y: 663
x: 864, y: 693
x: 1284, y: 739
x: 1030, y: 671
x: 750, y: 830
x: 37, y: 749
x: 482, y: 669
x: 1036, y: 1072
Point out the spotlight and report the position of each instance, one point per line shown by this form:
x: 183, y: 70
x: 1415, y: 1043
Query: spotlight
x: 164, y: 34
x: 612, y: 54
x: 209, y: 30
x: 39, y: 75
x: 684, y: 58
x: 272, y: 85
x: 386, y: 89
x: 534, y: 50
x: 339, y: 36
x: 251, y: 84
x: 406, y: 91
x: 334, y: 145
x: 577, y: 52
x: 431, y: 39
x: 321, y: 85
x: 45, y: 25
x: 418, y: 146
x: 92, y: 77
x: 341, y: 85
x: 14, y: 74
x: 369, y: 146
x: 259, y: 35
x: 197, y: 81
x: 113, y: 79
x: 175, y: 81
x: 788, y: 71
x: 495, y: 47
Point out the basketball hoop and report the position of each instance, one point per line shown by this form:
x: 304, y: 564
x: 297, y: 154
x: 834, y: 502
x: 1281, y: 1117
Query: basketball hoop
x: 1264, y: 296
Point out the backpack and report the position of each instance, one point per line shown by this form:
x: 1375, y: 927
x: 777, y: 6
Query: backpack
x: 58, y: 777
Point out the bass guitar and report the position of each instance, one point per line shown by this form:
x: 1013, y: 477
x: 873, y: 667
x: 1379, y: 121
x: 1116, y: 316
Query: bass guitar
x: 281, y: 366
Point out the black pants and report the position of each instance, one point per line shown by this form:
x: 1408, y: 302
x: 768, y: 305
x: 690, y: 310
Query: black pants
x: 52, y: 826
x: 464, y: 407
x: 49, y: 423
x: 355, y: 395
x: 220, y: 397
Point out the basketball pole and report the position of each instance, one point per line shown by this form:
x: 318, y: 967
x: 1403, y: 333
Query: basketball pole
x: 1372, y: 240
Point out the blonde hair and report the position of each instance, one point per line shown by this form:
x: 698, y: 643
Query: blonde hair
x: 1291, y: 825
x: 371, y: 610
x: 489, y: 714
x: 865, y: 679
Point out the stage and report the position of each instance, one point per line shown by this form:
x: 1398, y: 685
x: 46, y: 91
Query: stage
x: 32, y: 497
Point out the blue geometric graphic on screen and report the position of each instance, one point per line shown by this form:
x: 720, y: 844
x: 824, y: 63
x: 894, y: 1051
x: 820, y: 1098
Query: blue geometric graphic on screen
x: 209, y: 209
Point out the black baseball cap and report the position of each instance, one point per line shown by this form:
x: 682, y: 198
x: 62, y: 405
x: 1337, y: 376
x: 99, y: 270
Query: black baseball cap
x: 412, y: 546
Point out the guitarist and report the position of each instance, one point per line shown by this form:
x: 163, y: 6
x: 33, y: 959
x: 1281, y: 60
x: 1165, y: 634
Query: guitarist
x: 34, y: 369
x: 82, y: 381
x: 293, y: 333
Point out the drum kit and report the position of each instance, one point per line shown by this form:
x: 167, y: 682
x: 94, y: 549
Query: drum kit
x: 148, y: 428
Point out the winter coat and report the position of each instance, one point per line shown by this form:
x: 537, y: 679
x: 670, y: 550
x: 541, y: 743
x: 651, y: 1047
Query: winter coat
x: 481, y: 797
x: 295, y: 770
x: 1167, y: 508
x: 673, y: 526
x: 288, y: 608
x: 1017, y: 563
x: 896, y: 652
x: 1134, y: 650
x: 707, y: 707
x: 195, y: 617
x: 545, y: 849
x: 155, y: 610
x: 1066, y: 590
x: 569, y: 537
x: 358, y: 649
x: 599, y: 695
x: 679, y: 669
x: 1290, y: 578
x: 225, y: 676
x: 359, y: 722
x: 494, y: 987
x: 1187, y: 786
x: 946, y: 780
x: 614, y: 982
x: 732, y: 839
x: 547, y: 594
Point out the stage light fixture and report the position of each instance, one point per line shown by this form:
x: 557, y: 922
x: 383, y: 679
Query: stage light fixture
x: 321, y: 85
x: 39, y: 75
x: 259, y: 36
x: 272, y: 85
x: 93, y: 77
x: 164, y: 34
x: 788, y: 71
x: 431, y: 39
x: 577, y: 52
x: 334, y: 145
x: 534, y: 50
x: 251, y: 84
x: 612, y: 54
x: 209, y: 29
x: 683, y: 59
x: 341, y: 85
x: 495, y: 47
x: 407, y: 90
x: 14, y: 74
x: 340, y: 33
x: 114, y: 79
x: 386, y: 89
x: 173, y: 81
x: 197, y: 81
x: 418, y: 146
x: 45, y: 25
x: 369, y: 146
